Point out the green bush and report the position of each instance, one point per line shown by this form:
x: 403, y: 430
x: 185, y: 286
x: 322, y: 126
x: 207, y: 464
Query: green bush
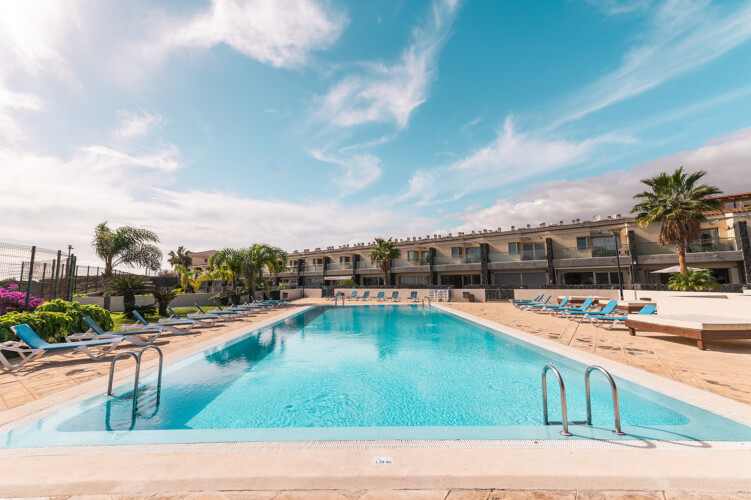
x: 55, y: 319
x: 344, y: 283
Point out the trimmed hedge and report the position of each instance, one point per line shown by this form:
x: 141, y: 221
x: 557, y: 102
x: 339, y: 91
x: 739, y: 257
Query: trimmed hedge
x: 54, y: 320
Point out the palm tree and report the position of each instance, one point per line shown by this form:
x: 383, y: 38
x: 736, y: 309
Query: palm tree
x: 163, y: 298
x: 182, y: 257
x: 694, y: 280
x: 190, y: 281
x: 678, y: 203
x: 230, y: 260
x: 277, y: 261
x: 129, y: 285
x: 127, y: 245
x: 384, y: 252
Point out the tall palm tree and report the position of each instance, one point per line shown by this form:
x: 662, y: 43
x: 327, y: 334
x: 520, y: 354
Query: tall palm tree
x: 384, y: 252
x: 277, y: 261
x: 677, y: 203
x: 127, y: 245
x: 231, y: 261
x: 181, y: 256
x: 190, y: 281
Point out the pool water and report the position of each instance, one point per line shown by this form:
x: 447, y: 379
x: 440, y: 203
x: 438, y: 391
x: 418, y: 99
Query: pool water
x: 369, y: 372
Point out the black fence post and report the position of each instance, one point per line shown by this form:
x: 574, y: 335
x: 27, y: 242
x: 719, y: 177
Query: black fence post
x: 41, y: 282
x: 57, y: 275
x: 70, y: 278
x: 88, y: 269
x: 31, y: 275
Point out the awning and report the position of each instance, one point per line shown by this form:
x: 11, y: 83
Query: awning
x: 672, y: 269
x: 336, y: 278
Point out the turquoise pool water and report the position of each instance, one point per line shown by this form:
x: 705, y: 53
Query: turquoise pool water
x: 368, y: 372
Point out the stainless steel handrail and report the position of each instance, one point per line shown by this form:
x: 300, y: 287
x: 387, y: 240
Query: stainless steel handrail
x: 564, y: 413
x: 137, y: 357
x: 135, y: 381
x: 430, y: 302
x: 614, y: 390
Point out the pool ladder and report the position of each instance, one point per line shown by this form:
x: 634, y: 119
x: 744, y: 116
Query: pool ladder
x: 137, y: 357
x: 564, y: 417
x: 428, y: 299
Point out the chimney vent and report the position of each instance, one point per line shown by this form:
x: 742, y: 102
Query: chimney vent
x: 528, y: 226
x: 542, y: 224
x: 513, y: 228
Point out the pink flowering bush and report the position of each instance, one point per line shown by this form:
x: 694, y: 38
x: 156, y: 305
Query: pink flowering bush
x: 12, y: 300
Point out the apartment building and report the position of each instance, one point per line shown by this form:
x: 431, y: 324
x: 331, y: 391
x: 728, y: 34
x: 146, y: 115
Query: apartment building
x: 576, y: 252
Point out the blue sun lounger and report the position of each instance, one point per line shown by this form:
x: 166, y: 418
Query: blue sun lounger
x: 243, y: 311
x: 609, y: 322
x: 394, y: 297
x: 412, y: 297
x: 353, y: 295
x: 255, y: 308
x: 205, y: 320
x: 380, y: 296
x: 365, y: 296
x: 579, y: 315
x: 536, y: 307
x: 31, y: 347
x: 522, y: 305
x: 145, y: 336
x: 585, y: 305
x: 527, y: 301
x: 173, y: 325
x: 228, y: 314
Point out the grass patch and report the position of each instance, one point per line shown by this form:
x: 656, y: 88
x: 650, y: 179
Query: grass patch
x: 120, y: 319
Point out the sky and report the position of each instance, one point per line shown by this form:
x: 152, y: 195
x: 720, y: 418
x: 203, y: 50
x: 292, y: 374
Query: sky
x: 309, y: 123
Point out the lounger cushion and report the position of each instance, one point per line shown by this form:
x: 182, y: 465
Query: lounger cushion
x: 694, y: 321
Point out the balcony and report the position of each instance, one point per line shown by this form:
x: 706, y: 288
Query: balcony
x: 588, y: 253
x: 442, y: 260
x: 423, y: 261
x: 316, y: 268
x: 342, y: 266
x: 715, y: 245
x: 365, y: 264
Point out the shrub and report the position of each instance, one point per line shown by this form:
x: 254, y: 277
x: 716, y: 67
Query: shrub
x: 163, y: 298
x: 344, y: 283
x: 54, y: 320
x: 694, y: 280
x: 13, y: 300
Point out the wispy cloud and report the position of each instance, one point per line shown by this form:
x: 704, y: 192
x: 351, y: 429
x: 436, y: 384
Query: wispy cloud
x: 277, y: 32
x: 135, y: 125
x: 725, y: 159
x: 356, y: 170
x: 684, y: 35
x: 510, y: 157
x: 385, y: 92
x: 615, y: 7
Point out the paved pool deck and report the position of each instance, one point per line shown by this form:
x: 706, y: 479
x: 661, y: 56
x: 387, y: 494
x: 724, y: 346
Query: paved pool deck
x: 453, y: 470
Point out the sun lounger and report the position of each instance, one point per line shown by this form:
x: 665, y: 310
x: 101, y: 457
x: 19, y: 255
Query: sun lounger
x: 353, y: 295
x: 256, y: 308
x: 534, y: 307
x: 230, y: 314
x: 702, y: 328
x: 605, y: 311
x: 412, y: 297
x: 609, y: 322
x: 336, y: 296
x: 176, y: 326
x: 145, y: 336
x: 527, y: 301
x: 380, y: 296
x: 585, y: 305
x: 394, y: 297
x: 365, y: 296
x: 31, y: 347
x: 522, y: 305
x: 205, y: 320
x: 237, y: 310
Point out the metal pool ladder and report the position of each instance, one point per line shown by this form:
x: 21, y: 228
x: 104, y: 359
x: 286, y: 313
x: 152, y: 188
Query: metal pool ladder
x: 137, y: 357
x: 564, y: 417
x: 430, y: 302
x: 336, y: 300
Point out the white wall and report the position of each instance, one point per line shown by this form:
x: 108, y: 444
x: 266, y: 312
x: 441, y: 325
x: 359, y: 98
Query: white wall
x: 182, y: 300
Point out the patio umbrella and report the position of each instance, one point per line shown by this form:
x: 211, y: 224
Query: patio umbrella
x: 672, y: 269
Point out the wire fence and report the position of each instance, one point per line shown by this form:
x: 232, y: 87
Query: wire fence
x: 47, y: 274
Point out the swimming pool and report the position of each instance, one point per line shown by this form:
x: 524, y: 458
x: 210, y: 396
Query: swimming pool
x: 369, y: 372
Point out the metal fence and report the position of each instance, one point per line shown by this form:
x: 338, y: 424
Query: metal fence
x: 47, y: 274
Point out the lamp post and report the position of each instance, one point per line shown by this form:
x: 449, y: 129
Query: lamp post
x: 617, y: 237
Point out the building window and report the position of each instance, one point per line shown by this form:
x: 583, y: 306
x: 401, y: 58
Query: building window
x: 343, y: 260
x: 722, y: 275
x: 471, y: 279
x: 533, y: 251
x: 413, y: 280
x: 457, y: 251
x: 730, y: 205
x: 317, y: 262
x: 533, y: 278
x: 473, y: 254
x: 413, y: 255
x: 513, y: 248
x: 367, y: 281
x: 314, y: 282
x: 581, y: 243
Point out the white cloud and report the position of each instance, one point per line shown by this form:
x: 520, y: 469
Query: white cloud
x: 685, y: 34
x: 726, y: 160
x: 135, y: 125
x: 512, y: 156
x: 276, y: 32
x: 614, y: 7
x: 390, y: 92
x: 357, y: 170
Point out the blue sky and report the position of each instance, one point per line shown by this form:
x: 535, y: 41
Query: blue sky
x: 307, y: 123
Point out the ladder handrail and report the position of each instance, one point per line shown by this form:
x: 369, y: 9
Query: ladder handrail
x: 430, y: 302
x: 137, y: 357
x: 614, y: 390
x: 135, y: 381
x: 564, y: 413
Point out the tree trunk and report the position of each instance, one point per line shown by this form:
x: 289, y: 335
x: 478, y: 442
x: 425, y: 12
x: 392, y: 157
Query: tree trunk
x: 386, y: 268
x: 163, y: 308
x: 106, y: 275
x: 682, y: 258
x: 251, y: 288
x: 129, y: 301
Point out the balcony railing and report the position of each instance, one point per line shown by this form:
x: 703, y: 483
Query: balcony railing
x: 365, y: 264
x: 715, y: 245
x: 586, y: 253
x: 314, y: 268
x: 462, y: 259
x: 423, y: 261
x: 339, y: 266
